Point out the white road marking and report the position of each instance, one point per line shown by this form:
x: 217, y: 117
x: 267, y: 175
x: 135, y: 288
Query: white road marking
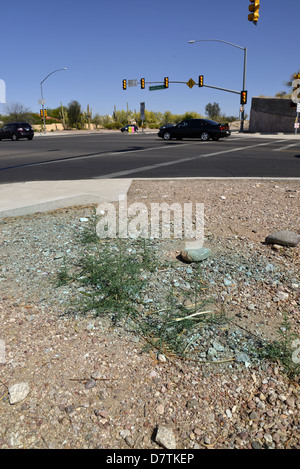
x: 286, y: 146
x: 181, y: 160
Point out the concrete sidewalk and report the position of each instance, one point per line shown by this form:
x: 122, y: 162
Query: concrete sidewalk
x: 42, y: 196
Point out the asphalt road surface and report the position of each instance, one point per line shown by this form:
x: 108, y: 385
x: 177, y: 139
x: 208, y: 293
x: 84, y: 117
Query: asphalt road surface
x: 141, y: 155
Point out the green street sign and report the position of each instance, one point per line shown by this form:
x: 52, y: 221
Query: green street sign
x: 157, y: 87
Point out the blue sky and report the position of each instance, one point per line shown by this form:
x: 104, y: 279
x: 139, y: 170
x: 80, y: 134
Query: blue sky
x: 102, y: 42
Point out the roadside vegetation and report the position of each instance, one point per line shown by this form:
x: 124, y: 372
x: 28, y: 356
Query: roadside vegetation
x: 114, y: 278
x: 73, y: 116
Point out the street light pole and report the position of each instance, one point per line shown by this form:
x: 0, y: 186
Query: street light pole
x: 42, y: 98
x: 244, y: 69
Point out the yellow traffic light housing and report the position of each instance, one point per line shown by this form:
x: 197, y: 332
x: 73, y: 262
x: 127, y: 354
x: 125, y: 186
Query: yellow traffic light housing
x: 254, y: 11
x: 200, y: 80
x: 124, y: 85
x: 243, y: 97
x: 142, y: 83
x: 166, y: 82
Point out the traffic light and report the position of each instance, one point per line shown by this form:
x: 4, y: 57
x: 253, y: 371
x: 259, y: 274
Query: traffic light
x: 142, y: 83
x: 166, y: 82
x: 254, y: 9
x: 200, y: 80
x: 124, y: 85
x: 243, y: 97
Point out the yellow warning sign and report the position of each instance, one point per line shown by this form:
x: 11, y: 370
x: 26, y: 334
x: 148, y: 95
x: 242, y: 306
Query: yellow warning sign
x: 191, y: 83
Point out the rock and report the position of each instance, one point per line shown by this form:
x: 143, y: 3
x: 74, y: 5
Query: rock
x: 253, y: 416
x: 195, y: 255
x: 165, y: 437
x: 160, y: 409
x: 282, y: 296
x: 283, y: 238
x: 218, y: 347
x: 129, y: 440
x: 161, y: 358
x: 277, y: 247
x: 192, y: 404
x: 243, y: 357
x: 256, y: 445
x: 18, y: 392
x: 90, y: 384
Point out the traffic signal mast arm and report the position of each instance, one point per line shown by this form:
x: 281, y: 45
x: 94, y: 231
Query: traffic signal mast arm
x: 201, y: 84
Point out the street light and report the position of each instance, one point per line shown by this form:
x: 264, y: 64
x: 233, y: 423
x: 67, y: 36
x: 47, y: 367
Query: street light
x: 244, y: 71
x: 42, y: 98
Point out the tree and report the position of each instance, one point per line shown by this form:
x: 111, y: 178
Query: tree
x: 213, y: 111
x: 74, y: 113
x: 97, y: 120
x: 17, y: 112
x: 288, y: 84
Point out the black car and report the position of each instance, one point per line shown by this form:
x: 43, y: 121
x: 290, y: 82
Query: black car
x: 164, y: 126
x: 130, y: 128
x: 16, y: 130
x: 195, y: 128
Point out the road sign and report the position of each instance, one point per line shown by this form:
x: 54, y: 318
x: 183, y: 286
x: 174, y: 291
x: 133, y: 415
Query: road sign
x: 142, y: 111
x: 298, y: 107
x: 2, y: 91
x: 132, y: 83
x: 157, y: 87
x: 191, y: 83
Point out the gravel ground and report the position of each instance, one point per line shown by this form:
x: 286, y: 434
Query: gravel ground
x: 87, y: 384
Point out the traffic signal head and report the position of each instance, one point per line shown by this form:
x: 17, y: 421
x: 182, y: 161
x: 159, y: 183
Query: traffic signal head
x: 124, y: 85
x: 254, y: 11
x: 166, y: 82
x: 142, y: 83
x: 200, y: 80
x: 243, y: 97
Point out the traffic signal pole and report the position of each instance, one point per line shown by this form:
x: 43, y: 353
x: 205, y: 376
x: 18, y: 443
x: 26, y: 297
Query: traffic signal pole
x: 244, y: 69
x: 244, y: 87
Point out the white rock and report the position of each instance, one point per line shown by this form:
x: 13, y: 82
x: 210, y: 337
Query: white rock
x: 161, y: 358
x: 165, y: 437
x: 18, y: 392
x: 282, y: 296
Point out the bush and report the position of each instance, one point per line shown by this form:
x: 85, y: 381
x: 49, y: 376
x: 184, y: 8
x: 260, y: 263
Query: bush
x: 113, y: 125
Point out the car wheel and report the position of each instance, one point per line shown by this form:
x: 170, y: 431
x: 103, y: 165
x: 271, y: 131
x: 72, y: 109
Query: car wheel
x: 167, y: 136
x: 14, y: 137
x: 30, y: 138
x: 204, y: 136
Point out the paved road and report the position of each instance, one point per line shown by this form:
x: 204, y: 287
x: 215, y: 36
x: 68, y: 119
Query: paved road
x: 116, y: 155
